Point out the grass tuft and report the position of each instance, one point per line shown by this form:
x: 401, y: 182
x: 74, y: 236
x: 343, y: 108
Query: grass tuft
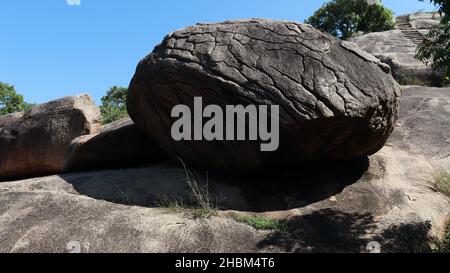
x: 262, y: 223
x: 198, y: 201
x: 441, y: 182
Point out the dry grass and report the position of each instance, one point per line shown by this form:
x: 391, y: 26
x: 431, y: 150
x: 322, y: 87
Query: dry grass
x: 198, y: 202
x: 441, y: 182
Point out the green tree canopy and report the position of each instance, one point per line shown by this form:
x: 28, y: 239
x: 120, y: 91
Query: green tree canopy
x: 436, y: 47
x: 343, y: 18
x: 10, y: 101
x: 114, y: 104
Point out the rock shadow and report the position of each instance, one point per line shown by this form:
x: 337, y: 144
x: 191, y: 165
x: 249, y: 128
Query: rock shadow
x: 333, y: 231
x: 408, y: 238
x: 300, y: 186
x: 274, y: 190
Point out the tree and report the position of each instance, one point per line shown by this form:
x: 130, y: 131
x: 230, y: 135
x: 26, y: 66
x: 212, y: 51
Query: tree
x: 114, y: 104
x: 10, y: 101
x: 436, y: 46
x: 344, y: 18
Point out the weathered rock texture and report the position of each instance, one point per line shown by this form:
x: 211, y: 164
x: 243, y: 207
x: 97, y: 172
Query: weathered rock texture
x: 36, y: 142
x: 335, y: 100
x: 397, y: 48
x: 118, y: 145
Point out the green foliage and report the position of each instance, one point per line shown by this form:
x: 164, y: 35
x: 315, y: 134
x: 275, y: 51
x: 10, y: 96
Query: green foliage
x: 10, y: 101
x: 262, y: 223
x: 442, y: 182
x: 344, y: 18
x: 436, y: 47
x: 114, y: 105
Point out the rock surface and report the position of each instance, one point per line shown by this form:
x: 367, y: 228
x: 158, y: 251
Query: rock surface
x: 386, y: 198
x: 423, y: 127
x: 397, y: 48
x: 58, y: 221
x: 36, y: 142
x: 335, y: 101
x: 118, y: 145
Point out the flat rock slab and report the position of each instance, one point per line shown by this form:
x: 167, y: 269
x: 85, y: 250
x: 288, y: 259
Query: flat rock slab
x: 336, y: 101
x: 63, y: 222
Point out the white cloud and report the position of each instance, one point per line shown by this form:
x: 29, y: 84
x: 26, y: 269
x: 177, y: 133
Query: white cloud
x: 73, y: 2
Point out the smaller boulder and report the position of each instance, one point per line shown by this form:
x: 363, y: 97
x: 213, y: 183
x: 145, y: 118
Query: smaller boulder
x: 36, y: 142
x: 119, y: 144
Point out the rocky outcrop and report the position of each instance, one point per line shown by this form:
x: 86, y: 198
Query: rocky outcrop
x: 423, y: 21
x: 385, y: 198
x: 36, y: 142
x: 118, y: 145
x: 397, y: 48
x: 335, y: 101
x: 415, y: 26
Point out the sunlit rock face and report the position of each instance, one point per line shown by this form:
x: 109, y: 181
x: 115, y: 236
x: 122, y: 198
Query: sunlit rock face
x: 36, y: 142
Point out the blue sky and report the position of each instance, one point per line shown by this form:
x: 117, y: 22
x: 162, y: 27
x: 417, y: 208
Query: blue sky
x: 50, y: 49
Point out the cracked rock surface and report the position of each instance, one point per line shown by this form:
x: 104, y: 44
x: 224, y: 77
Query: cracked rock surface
x: 336, y: 101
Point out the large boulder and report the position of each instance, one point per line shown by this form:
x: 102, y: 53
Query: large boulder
x: 36, y: 142
x: 118, y: 145
x: 335, y: 100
